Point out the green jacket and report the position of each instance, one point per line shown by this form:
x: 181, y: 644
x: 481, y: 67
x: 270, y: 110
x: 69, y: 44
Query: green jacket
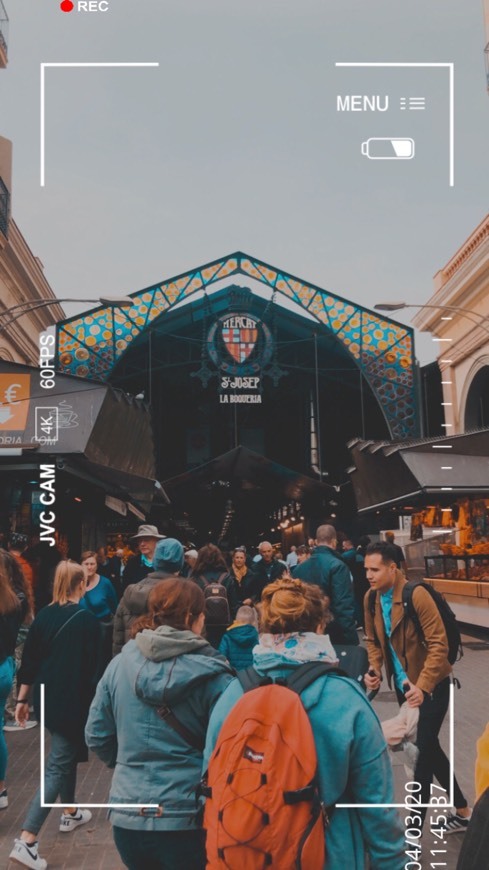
x: 327, y: 570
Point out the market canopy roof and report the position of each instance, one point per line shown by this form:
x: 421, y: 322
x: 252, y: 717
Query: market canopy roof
x: 91, y: 344
x: 386, y: 472
x: 250, y: 472
x: 101, y: 433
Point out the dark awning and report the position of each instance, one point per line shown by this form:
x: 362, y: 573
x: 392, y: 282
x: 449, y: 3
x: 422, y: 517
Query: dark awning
x: 249, y: 471
x: 386, y: 473
x: 98, y: 430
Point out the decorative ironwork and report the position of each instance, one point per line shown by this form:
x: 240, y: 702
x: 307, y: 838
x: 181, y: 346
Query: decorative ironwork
x: 90, y: 345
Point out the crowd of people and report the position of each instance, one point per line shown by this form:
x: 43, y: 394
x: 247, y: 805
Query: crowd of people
x: 182, y: 670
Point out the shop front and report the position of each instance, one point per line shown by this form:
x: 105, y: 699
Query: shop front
x: 439, y: 489
x: 76, y: 461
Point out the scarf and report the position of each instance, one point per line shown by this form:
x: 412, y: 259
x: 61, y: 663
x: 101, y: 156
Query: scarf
x: 239, y: 573
x: 299, y: 646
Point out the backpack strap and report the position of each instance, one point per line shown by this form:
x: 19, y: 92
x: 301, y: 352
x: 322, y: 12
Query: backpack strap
x: 408, y: 605
x: 302, y: 677
x: 411, y: 613
x: 251, y: 679
x: 218, y: 580
x: 308, y: 673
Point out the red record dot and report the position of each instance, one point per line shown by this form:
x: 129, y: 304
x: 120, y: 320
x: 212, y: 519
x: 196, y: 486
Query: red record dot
x: 67, y: 6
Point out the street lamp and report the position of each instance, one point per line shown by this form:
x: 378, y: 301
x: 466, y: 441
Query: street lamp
x: 464, y: 312
x: 32, y: 305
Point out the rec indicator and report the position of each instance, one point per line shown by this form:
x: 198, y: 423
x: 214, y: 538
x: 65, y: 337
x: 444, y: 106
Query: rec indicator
x: 84, y: 6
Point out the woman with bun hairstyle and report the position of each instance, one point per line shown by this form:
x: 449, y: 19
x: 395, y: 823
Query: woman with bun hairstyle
x: 148, y: 721
x: 15, y: 609
x: 353, y: 762
x: 61, y: 652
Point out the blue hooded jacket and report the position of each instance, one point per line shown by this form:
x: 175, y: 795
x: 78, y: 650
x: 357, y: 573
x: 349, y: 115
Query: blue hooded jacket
x: 353, y: 768
x: 237, y: 645
x: 153, y: 763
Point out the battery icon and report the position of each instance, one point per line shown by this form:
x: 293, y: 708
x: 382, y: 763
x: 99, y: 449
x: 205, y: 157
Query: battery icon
x: 388, y: 149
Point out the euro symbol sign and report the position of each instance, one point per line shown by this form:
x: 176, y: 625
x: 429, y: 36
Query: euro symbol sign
x: 11, y: 394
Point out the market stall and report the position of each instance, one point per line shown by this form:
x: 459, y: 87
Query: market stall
x: 441, y: 488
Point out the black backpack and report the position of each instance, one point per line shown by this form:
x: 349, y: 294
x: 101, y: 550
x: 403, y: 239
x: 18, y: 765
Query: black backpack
x: 455, y: 648
x: 216, y: 601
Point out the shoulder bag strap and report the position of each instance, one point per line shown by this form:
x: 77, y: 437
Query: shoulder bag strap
x: 72, y: 617
x: 168, y: 716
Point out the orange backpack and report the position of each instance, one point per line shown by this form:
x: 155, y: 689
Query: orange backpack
x: 263, y: 805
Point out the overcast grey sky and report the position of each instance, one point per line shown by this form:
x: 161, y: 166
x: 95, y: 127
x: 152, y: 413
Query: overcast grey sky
x: 234, y: 142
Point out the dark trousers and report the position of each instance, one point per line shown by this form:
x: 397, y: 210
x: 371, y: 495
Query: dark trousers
x: 432, y: 760
x: 161, y: 850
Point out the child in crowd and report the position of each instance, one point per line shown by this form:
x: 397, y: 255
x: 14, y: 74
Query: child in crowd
x: 238, y: 641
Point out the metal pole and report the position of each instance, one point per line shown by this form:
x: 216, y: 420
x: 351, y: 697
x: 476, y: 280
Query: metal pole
x: 41, y: 304
x: 150, y: 368
x: 361, y: 404
x: 235, y: 425
x: 320, y: 464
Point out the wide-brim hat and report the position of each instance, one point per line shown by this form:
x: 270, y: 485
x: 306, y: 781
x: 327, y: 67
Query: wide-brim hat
x: 148, y: 532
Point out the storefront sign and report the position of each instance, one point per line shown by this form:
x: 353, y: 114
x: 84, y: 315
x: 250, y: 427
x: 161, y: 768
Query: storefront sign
x: 15, y: 389
x: 240, y: 346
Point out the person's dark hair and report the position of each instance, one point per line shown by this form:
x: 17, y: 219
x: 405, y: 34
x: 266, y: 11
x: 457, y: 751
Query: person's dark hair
x: 303, y: 550
x: 17, y: 541
x: 210, y: 558
x: 364, y: 541
x: 175, y: 602
x: 291, y: 605
x: 12, y: 583
x: 384, y: 550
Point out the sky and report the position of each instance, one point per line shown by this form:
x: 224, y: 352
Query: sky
x: 235, y: 141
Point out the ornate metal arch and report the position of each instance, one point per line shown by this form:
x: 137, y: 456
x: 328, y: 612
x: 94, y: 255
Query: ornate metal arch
x: 90, y: 345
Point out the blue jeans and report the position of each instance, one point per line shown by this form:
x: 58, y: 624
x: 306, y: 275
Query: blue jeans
x: 161, y: 850
x: 7, y: 671
x: 59, y: 780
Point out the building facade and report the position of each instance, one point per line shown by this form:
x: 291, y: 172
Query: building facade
x: 459, y: 322
x: 22, y: 277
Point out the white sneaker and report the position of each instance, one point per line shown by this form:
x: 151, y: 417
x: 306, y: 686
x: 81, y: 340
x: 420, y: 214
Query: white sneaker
x: 3, y: 799
x: 27, y: 855
x: 69, y: 823
x: 14, y: 726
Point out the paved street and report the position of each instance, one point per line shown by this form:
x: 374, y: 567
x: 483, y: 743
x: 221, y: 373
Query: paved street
x: 92, y: 846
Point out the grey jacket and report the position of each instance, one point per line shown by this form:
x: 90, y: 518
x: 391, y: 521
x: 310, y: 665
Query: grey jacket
x: 153, y: 763
x: 133, y: 603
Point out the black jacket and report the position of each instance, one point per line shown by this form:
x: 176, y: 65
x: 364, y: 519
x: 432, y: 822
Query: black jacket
x: 243, y: 589
x: 134, y: 571
x: 265, y: 573
x: 67, y: 659
x: 134, y: 603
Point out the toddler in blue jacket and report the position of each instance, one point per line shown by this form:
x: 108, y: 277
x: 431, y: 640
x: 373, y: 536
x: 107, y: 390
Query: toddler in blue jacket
x: 238, y: 641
